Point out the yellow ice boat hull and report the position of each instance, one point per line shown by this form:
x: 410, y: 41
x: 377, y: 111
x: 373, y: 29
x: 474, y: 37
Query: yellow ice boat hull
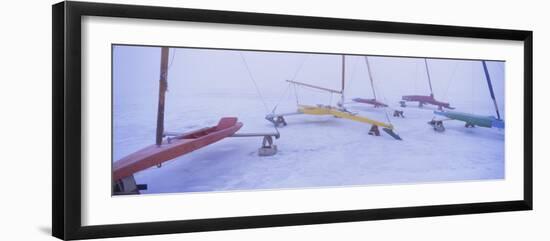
x: 327, y: 110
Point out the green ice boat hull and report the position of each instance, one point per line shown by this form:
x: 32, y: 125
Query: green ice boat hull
x: 472, y: 119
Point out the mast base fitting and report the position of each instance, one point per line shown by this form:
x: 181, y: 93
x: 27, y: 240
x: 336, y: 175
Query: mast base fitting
x: 127, y: 186
x: 402, y: 103
x: 437, y: 125
x: 268, y: 148
x: 398, y: 113
x: 469, y: 125
x: 277, y: 120
x: 374, y: 131
x: 267, y: 151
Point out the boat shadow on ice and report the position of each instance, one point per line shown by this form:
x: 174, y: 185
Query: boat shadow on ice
x: 422, y: 109
x: 367, y: 109
x: 321, y: 122
x: 371, y: 110
x: 219, y: 150
x: 476, y: 132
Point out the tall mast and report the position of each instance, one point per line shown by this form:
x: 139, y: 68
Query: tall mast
x: 429, y: 78
x: 163, y: 85
x: 370, y: 77
x: 488, y: 77
x: 343, y: 77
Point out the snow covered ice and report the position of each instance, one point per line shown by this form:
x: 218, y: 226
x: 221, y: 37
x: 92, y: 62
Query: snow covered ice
x: 314, y: 151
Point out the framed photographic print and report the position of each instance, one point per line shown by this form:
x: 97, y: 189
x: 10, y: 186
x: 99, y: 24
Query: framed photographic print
x: 171, y: 120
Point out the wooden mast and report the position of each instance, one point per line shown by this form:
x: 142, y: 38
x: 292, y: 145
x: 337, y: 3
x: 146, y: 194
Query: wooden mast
x: 343, y: 78
x: 488, y: 77
x: 370, y: 77
x: 429, y: 78
x: 163, y: 86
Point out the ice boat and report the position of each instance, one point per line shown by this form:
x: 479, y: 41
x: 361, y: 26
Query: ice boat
x: 174, y: 147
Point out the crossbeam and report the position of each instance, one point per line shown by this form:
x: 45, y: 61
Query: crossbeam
x: 273, y: 134
x: 260, y: 134
x: 315, y: 87
x: 267, y: 148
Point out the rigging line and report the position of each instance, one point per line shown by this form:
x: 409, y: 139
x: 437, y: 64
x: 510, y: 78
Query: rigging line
x: 472, y: 89
x: 284, y: 96
x: 415, y: 77
x: 296, y: 93
x: 343, y: 75
x: 254, y: 81
x: 501, y: 67
x: 300, y: 67
x: 172, y: 59
x: 298, y: 70
x: 287, y: 92
x: 370, y: 77
x: 388, y: 117
x: 450, y: 81
x: 386, y: 109
x: 381, y: 91
x: 353, y: 72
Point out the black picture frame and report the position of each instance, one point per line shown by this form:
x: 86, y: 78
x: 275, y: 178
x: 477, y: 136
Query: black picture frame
x: 67, y: 133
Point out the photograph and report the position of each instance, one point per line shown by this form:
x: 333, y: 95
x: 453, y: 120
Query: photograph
x: 192, y: 119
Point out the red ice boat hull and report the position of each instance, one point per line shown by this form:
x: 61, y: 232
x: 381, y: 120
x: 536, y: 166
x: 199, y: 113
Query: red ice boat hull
x: 427, y: 99
x: 154, y: 155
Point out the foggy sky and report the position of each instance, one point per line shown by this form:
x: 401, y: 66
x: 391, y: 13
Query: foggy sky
x: 200, y: 72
